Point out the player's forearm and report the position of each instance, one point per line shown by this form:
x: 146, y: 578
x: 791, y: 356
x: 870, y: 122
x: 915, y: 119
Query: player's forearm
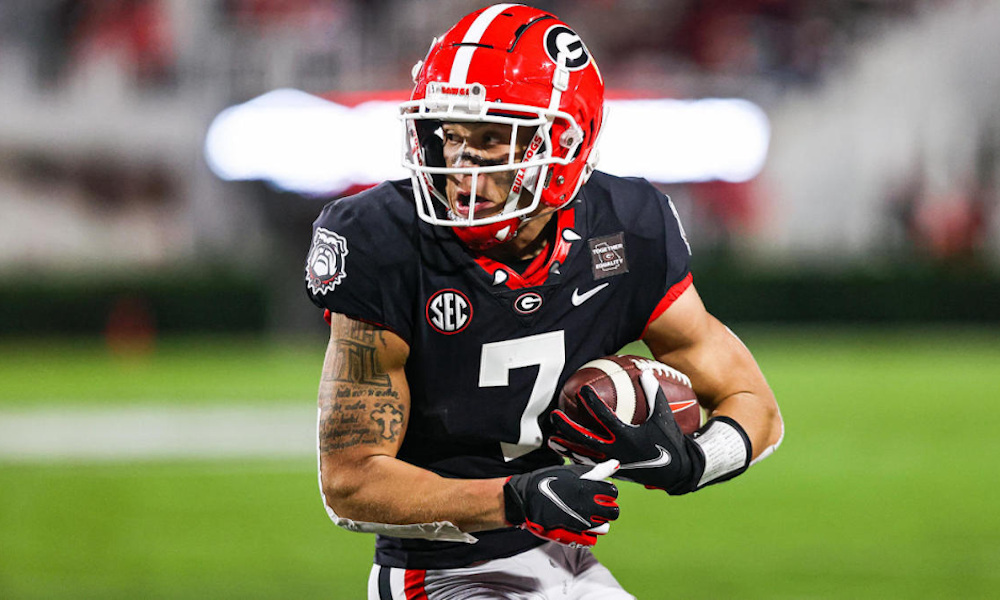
x: 733, y: 386
x: 758, y: 414
x: 382, y: 489
x: 737, y: 389
x: 726, y: 378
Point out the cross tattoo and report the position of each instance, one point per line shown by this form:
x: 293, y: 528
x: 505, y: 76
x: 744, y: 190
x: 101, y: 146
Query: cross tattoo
x: 389, y: 417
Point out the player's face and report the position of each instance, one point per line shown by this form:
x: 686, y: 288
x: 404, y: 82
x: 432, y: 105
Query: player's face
x: 481, y: 145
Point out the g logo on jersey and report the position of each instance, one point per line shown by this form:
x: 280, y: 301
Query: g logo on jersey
x: 449, y: 311
x: 325, y: 265
x: 528, y: 303
x: 560, y: 39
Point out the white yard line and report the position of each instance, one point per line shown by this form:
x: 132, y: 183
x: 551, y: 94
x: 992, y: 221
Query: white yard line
x: 156, y: 432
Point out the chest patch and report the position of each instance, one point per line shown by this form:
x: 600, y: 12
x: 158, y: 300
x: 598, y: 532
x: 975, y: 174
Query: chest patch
x: 527, y: 303
x: 607, y: 255
x: 449, y: 311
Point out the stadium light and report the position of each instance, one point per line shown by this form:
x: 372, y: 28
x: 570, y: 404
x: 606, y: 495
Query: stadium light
x: 303, y: 143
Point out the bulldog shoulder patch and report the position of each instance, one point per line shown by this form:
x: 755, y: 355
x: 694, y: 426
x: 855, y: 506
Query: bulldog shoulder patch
x: 325, y: 265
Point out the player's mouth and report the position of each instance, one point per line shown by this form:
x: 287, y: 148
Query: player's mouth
x: 461, y: 205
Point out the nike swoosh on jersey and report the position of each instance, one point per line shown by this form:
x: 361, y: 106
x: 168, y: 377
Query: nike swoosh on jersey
x: 545, y: 487
x: 660, y: 461
x: 579, y: 298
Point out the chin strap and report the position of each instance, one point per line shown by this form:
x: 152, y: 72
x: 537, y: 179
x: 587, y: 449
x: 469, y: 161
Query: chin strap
x: 484, y: 237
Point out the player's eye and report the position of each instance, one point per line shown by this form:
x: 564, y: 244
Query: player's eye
x: 494, y: 138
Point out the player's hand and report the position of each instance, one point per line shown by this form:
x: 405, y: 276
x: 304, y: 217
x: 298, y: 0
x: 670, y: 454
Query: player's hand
x: 569, y: 504
x: 656, y: 453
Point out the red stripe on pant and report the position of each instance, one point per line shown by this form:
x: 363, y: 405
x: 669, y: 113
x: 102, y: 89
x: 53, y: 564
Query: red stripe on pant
x: 413, y: 585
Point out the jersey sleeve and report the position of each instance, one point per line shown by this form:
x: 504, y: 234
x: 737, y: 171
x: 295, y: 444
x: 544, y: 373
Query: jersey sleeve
x: 677, y: 252
x: 674, y: 250
x: 359, y: 264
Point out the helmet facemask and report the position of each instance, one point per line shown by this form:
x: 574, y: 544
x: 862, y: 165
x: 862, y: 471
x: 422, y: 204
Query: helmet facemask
x: 528, y: 170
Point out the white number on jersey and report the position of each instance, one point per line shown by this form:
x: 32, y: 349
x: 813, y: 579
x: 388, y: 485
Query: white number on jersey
x: 547, y: 350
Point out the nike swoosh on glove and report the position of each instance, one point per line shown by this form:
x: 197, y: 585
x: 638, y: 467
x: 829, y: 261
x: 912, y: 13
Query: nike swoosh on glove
x: 568, y: 504
x: 656, y: 453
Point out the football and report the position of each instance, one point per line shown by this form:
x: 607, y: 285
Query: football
x: 615, y: 379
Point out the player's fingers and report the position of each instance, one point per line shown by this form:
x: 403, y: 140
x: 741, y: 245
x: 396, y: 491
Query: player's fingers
x: 574, y: 432
x: 573, y: 452
x: 605, y: 500
x: 598, y: 409
x: 607, y: 509
x: 602, y: 471
x: 659, y: 407
x: 600, y: 529
x: 651, y: 390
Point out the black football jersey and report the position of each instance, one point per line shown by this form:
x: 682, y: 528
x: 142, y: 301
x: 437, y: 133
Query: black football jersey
x: 490, y: 346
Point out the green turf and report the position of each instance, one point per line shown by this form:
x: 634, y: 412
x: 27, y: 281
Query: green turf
x: 174, y: 530
x: 885, y: 487
x: 176, y: 370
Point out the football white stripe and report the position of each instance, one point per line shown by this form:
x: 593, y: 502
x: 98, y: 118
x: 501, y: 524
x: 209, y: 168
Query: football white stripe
x: 463, y: 58
x: 626, y: 396
x: 624, y: 389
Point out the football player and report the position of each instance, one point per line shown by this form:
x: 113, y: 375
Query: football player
x: 462, y: 299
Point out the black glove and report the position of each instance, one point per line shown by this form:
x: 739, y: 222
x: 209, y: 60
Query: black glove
x: 656, y: 453
x: 569, y: 504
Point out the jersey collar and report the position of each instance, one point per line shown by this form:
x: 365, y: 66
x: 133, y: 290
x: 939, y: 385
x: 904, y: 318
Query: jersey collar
x: 544, y: 265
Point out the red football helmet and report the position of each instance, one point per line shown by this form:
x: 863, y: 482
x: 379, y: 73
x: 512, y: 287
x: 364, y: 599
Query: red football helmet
x: 514, y: 65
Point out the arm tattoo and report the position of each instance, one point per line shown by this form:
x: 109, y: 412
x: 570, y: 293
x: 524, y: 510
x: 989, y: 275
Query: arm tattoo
x: 357, y: 356
x: 358, y: 403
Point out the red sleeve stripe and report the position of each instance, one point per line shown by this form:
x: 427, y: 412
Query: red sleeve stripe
x: 413, y: 584
x: 673, y: 294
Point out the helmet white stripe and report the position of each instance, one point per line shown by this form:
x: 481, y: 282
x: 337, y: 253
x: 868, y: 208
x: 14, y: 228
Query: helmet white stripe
x: 463, y: 58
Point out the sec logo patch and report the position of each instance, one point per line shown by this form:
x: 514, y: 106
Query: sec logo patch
x: 449, y: 311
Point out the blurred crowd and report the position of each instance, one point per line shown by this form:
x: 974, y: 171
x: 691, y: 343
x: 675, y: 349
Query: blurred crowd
x: 647, y: 44
x: 109, y: 99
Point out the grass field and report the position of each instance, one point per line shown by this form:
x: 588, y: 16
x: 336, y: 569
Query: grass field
x: 885, y: 487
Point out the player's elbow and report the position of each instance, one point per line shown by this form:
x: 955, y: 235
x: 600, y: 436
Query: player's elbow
x: 774, y: 428
x: 341, y: 489
x: 777, y: 425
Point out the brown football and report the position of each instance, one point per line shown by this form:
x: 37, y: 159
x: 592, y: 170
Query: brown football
x: 615, y: 379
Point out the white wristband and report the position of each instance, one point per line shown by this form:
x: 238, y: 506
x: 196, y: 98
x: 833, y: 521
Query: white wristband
x: 726, y: 450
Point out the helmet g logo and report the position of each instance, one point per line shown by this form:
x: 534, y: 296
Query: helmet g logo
x: 325, y: 266
x: 561, y: 40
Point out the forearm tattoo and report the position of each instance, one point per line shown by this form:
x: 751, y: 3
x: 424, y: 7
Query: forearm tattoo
x: 358, y: 405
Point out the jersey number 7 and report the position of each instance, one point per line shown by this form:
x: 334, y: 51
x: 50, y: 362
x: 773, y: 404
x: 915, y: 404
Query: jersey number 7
x: 548, y: 351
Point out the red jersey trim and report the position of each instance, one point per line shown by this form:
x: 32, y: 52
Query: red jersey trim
x: 672, y: 295
x: 538, y: 271
x: 413, y: 584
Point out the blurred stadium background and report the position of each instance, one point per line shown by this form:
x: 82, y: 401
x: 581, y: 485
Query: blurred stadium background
x: 159, y: 359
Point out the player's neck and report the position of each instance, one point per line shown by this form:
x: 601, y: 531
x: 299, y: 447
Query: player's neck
x: 533, y: 238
